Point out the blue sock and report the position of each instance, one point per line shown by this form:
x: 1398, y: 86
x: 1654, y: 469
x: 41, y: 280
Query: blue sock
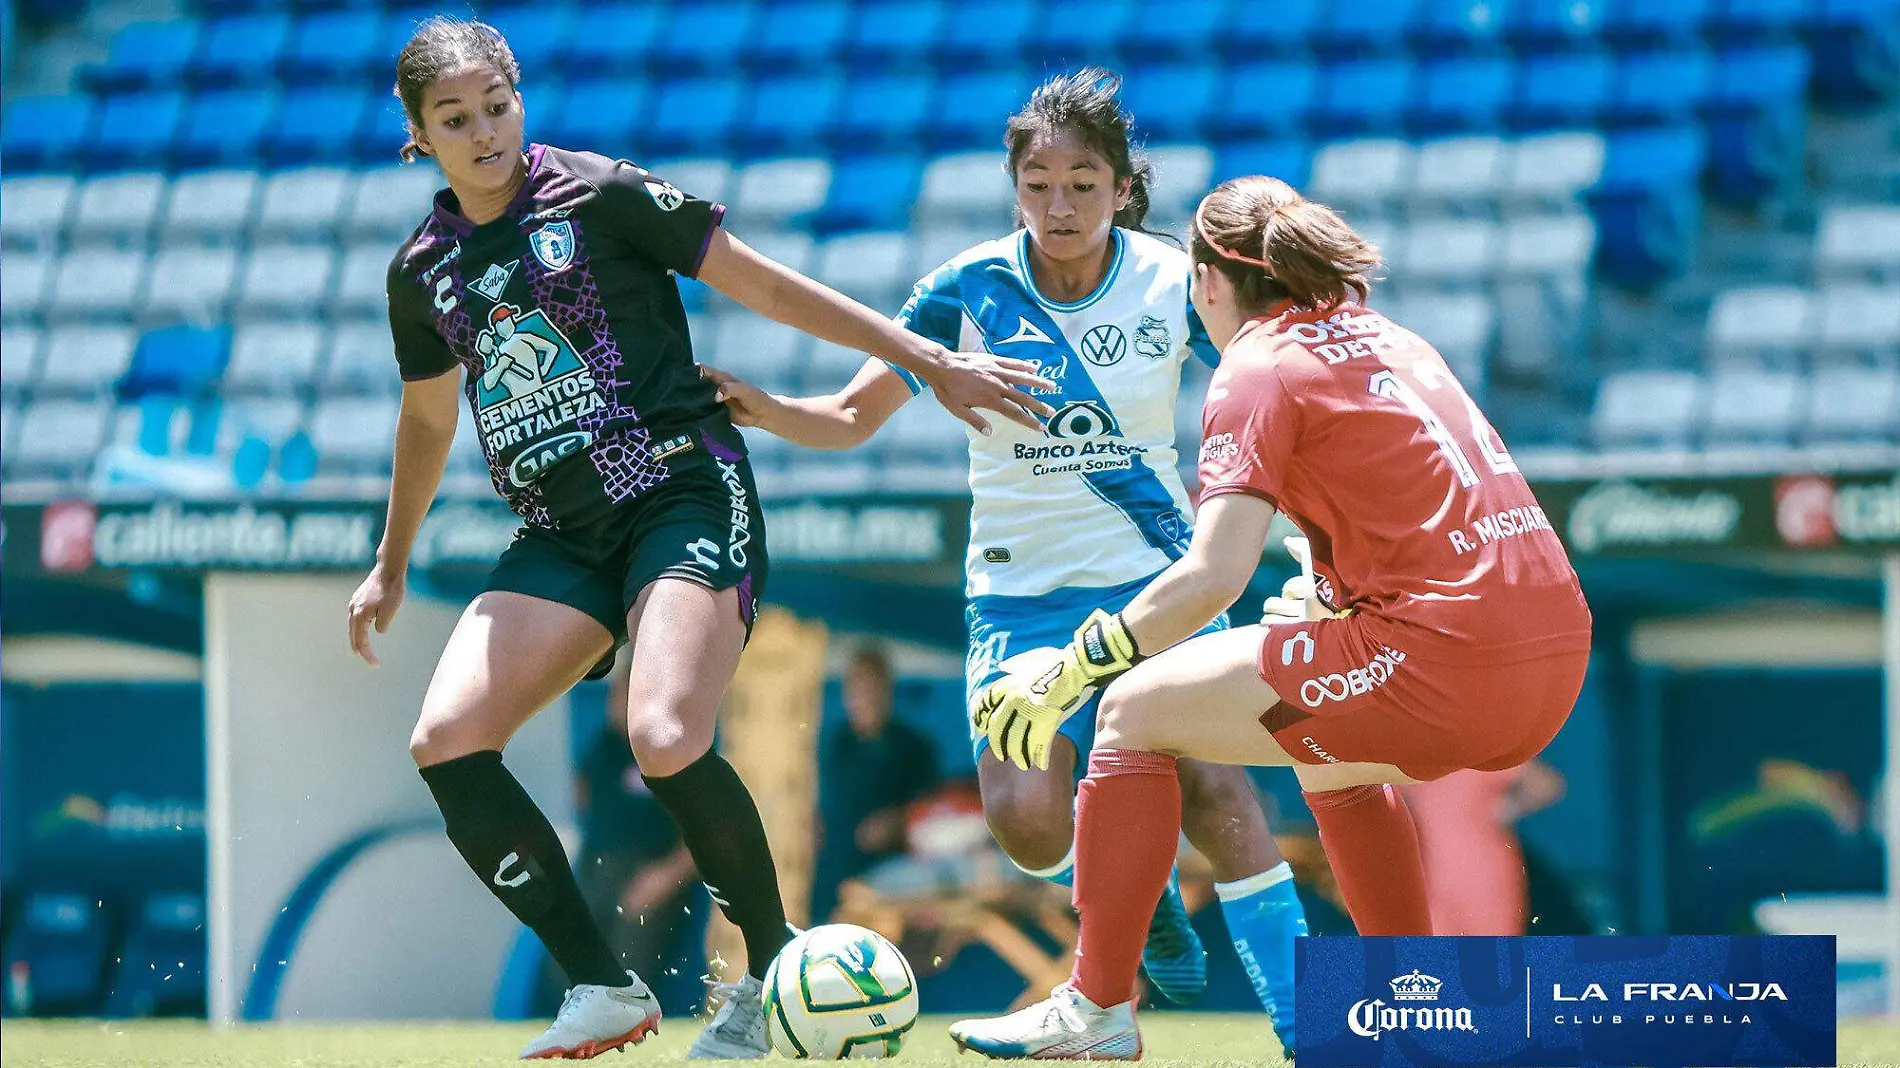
x: 1264, y: 915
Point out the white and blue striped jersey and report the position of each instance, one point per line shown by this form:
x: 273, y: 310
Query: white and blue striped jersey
x: 1094, y: 499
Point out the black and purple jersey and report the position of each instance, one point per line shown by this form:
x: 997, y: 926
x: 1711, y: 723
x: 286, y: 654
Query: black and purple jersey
x: 567, y: 319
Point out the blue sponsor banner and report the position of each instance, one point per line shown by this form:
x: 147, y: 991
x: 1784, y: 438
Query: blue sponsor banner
x: 1608, y: 1001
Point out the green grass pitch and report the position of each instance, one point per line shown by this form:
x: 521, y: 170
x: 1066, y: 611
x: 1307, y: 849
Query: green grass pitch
x: 1172, y: 1039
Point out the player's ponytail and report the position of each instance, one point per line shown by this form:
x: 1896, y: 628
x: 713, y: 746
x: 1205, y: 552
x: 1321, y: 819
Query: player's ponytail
x: 1087, y: 104
x: 440, y: 45
x: 1275, y: 245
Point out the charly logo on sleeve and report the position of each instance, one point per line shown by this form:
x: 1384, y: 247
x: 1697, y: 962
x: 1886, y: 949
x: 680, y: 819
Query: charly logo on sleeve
x: 532, y: 389
x: 664, y: 194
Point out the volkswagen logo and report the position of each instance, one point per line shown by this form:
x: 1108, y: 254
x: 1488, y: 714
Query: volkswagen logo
x: 1105, y: 345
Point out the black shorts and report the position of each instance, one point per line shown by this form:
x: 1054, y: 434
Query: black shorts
x: 702, y: 524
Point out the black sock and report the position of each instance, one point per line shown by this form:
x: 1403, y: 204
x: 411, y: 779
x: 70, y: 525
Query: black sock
x: 720, y: 825
x: 513, y: 849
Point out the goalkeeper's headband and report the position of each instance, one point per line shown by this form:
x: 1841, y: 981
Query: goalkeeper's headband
x: 1200, y: 226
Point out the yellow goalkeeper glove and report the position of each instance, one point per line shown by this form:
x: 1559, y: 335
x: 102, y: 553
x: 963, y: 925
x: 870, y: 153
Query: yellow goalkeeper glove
x: 1021, y: 712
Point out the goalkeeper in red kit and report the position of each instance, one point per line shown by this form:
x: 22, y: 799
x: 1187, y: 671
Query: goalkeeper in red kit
x: 1454, y: 633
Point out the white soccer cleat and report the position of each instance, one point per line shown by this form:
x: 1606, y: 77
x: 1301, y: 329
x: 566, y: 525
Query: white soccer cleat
x: 737, y: 1030
x: 594, y: 1019
x: 1066, y: 1027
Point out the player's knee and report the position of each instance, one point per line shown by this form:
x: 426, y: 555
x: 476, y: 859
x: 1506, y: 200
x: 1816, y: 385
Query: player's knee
x: 1213, y: 788
x: 1034, y: 826
x: 1126, y: 720
x: 437, y: 741
x: 664, y: 743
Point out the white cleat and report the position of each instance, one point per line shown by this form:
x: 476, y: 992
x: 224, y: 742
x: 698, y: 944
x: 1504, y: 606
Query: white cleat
x: 737, y: 1030
x: 1066, y: 1027
x: 594, y: 1019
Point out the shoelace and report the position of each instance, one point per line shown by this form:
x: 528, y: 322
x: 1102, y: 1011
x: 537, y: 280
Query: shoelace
x: 568, y: 1001
x: 728, y: 994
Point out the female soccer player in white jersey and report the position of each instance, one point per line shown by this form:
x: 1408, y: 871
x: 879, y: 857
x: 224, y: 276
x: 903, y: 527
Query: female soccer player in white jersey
x: 541, y: 287
x: 1085, y: 510
x: 1461, y: 641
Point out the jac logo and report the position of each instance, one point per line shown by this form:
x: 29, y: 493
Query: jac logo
x: 1219, y: 448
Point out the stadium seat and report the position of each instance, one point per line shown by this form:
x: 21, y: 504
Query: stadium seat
x: 801, y: 34
x: 1070, y: 33
x: 755, y: 348
x: 983, y: 32
x: 146, y: 55
x: 1289, y: 161
x: 1645, y: 22
x: 707, y: 179
x: 84, y: 361
x: 704, y: 36
x: 1465, y: 171
x: 926, y: 430
x: 1853, y: 403
x: 1455, y: 26
x: 1750, y: 405
x: 1646, y: 204
x: 1374, y: 26
x: 1860, y: 320
x: 888, y: 110
x: 596, y: 115
x: 336, y: 46
x: 1556, y: 167
x: 1647, y: 408
x: 241, y: 49
x: 1860, y: 240
x: 392, y: 201
x: 121, y: 207
x: 305, y: 202
x: 1856, y: 49
x: 693, y: 115
x: 793, y: 248
x: 223, y: 128
x: 787, y: 114
x: 1449, y: 252
x: 1552, y: 247
x: 316, y: 125
x: 176, y: 361
x: 44, y: 132
x: 1559, y: 91
x: 1364, y: 97
x: 871, y: 267
x: 781, y: 190
x: 1179, y: 30
x: 20, y: 346
x: 353, y: 434
x: 33, y: 209
x: 937, y: 245
x: 286, y: 279
x: 96, y: 282
x: 1463, y: 94
x: 1743, y: 22
x: 1362, y: 174
x: 134, y: 129
x: 1760, y: 324
x: 972, y: 107
x: 381, y: 133
x: 1265, y: 98
x: 1183, y: 175
x: 270, y: 420
x: 190, y: 283
x: 58, y: 946
x: 610, y: 37
x: 969, y: 186
x: 538, y: 34
x: 1554, y: 25
x: 362, y: 281
x: 1756, y: 122
x: 24, y: 284
x: 870, y: 193
x: 1172, y: 103
x: 360, y: 358
x: 1459, y: 325
x: 888, y: 32
x: 1660, y: 86
x: 827, y: 367
x: 209, y: 204
x: 270, y: 356
x: 57, y: 439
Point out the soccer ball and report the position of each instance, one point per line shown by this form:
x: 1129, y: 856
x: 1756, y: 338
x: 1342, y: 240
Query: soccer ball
x: 837, y: 991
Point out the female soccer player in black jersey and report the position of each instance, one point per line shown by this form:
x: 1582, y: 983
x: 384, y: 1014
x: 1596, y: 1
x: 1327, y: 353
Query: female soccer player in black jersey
x: 544, y: 275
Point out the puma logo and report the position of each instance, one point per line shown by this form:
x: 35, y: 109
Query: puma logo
x: 512, y: 858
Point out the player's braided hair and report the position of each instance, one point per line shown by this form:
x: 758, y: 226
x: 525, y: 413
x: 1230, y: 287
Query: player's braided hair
x: 1086, y: 104
x: 440, y: 45
x: 1274, y: 244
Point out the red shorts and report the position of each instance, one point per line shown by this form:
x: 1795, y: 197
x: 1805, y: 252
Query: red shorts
x: 1350, y: 693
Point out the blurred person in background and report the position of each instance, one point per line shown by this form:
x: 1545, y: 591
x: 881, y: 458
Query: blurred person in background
x: 1475, y: 872
x: 1084, y: 511
x: 541, y: 292
x: 871, y: 767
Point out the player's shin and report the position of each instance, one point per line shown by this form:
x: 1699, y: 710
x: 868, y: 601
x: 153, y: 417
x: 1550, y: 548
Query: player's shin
x: 1128, y: 823
x: 507, y: 840
x: 1372, y: 846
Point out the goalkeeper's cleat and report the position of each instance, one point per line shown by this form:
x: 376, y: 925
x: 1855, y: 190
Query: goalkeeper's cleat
x: 737, y: 1030
x: 594, y: 1019
x: 1065, y: 1027
x: 1174, y: 957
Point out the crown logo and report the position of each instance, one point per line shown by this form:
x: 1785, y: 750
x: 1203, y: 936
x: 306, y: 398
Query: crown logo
x: 1416, y: 987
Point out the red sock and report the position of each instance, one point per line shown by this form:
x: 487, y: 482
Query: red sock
x: 1370, y: 841
x: 1128, y: 821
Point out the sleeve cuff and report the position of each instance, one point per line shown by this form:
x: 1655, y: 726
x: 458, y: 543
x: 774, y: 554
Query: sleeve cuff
x: 718, y: 218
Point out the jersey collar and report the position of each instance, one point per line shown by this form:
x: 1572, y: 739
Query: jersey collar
x: 448, y: 209
x: 1101, y: 288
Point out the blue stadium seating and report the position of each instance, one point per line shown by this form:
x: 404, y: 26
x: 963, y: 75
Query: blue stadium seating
x: 1660, y: 87
x: 1271, y: 97
x: 1179, y: 30
x: 984, y: 31
x: 1363, y: 97
x: 1243, y: 35
x: 1288, y: 161
x: 241, y: 48
x: 801, y: 33
x: 317, y: 125
x: 1646, y: 204
x: 1755, y: 120
x: 1744, y: 22
x: 788, y: 113
x: 398, y: 27
x: 870, y: 193
x: 599, y: 115
x: 1646, y: 22
x: 1556, y: 25
x: 382, y: 130
x: 1172, y: 103
x: 894, y: 31
x: 703, y: 36
x: 44, y: 132
x: 1370, y: 27
x: 692, y: 115
x: 1075, y: 32
x: 883, y: 109
x: 1462, y: 95
x: 1564, y: 90
x: 223, y: 127
x: 337, y: 46
x: 1459, y: 26
x: 536, y: 33
x: 610, y: 37
x: 971, y: 107
x: 146, y: 54
x: 1856, y: 48
x: 135, y: 129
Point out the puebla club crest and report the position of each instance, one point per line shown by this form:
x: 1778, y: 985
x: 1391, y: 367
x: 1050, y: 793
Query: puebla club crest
x: 553, y: 244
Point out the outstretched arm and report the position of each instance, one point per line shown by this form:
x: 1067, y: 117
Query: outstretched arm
x: 841, y: 420
x: 1230, y: 533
